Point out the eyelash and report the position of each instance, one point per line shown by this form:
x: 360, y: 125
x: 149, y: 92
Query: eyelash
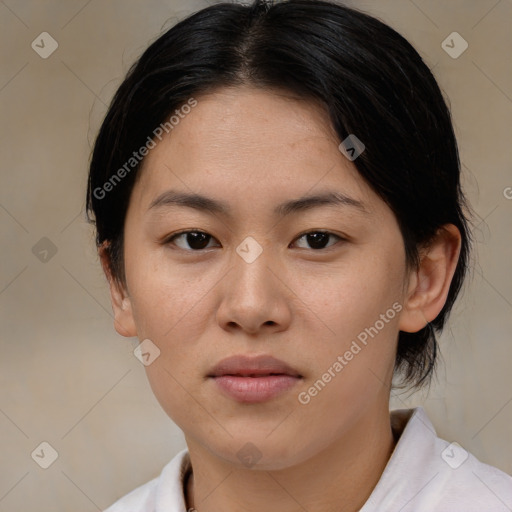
x: 170, y: 239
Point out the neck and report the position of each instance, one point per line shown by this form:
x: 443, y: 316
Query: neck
x: 340, y: 478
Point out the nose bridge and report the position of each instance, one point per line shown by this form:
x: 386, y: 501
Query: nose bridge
x: 251, y: 297
x: 250, y: 250
x: 251, y: 261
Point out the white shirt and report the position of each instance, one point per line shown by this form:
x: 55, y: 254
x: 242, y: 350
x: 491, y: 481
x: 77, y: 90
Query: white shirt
x: 424, y: 474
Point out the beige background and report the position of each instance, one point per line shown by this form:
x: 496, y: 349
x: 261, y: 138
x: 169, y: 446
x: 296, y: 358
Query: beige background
x: 68, y: 379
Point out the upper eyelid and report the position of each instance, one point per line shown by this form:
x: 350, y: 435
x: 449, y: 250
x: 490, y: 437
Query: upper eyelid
x: 300, y: 235
x: 326, y: 231
x: 170, y: 238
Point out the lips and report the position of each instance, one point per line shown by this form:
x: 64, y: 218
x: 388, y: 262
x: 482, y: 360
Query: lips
x: 258, y: 366
x: 252, y: 380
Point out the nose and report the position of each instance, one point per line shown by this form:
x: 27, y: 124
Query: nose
x: 254, y: 297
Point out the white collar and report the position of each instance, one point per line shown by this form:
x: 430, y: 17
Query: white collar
x: 417, y: 477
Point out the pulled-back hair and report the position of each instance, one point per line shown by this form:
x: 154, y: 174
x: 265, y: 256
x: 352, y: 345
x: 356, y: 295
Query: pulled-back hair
x: 371, y: 82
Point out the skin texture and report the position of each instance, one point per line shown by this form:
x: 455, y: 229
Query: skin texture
x: 255, y: 149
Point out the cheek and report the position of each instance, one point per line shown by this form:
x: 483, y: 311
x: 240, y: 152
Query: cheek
x: 354, y: 363
x: 170, y: 306
x: 353, y: 295
x: 358, y: 307
x: 165, y: 296
x: 171, y: 386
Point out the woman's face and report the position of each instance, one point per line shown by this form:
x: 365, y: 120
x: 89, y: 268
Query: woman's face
x: 255, y: 284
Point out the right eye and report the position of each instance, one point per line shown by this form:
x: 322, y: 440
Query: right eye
x: 196, y: 240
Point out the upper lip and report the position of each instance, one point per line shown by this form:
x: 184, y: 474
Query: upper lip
x: 255, y: 365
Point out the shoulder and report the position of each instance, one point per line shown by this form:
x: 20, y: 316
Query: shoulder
x: 462, y: 482
x: 165, y: 491
x: 427, y: 473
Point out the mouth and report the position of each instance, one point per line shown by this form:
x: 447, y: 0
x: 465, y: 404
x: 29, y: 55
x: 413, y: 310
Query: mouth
x: 258, y: 366
x: 254, y: 379
x: 253, y: 375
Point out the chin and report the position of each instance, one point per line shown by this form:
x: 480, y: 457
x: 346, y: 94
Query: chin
x: 262, y: 453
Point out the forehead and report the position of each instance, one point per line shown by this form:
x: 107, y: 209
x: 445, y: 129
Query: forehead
x: 249, y: 111
x: 251, y: 143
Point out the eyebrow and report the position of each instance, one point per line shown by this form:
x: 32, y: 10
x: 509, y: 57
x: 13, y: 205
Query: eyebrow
x: 214, y: 206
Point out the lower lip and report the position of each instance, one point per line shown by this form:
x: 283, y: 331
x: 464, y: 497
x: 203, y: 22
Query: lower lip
x: 255, y: 389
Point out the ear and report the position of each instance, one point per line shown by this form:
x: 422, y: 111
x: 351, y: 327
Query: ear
x: 121, y: 304
x: 429, y: 285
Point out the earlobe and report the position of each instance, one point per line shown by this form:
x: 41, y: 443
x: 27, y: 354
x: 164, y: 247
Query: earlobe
x: 121, y: 304
x: 430, y: 283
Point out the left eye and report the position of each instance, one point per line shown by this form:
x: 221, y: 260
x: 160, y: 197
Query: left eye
x: 318, y: 239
